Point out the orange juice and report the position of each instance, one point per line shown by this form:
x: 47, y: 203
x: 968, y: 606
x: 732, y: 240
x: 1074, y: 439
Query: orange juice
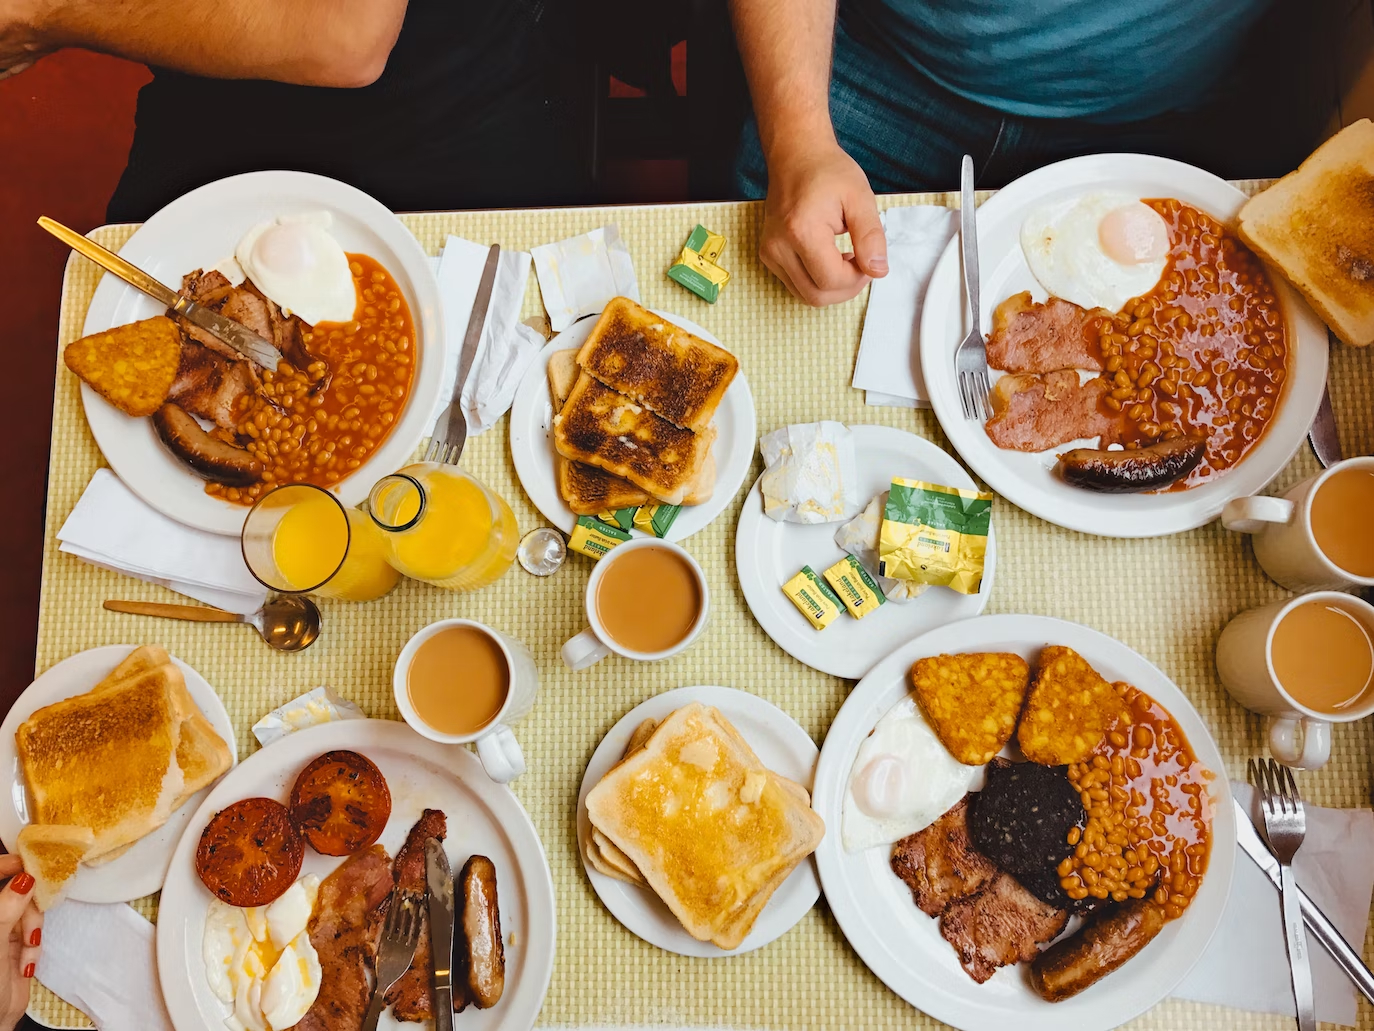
x: 444, y: 527
x: 310, y: 541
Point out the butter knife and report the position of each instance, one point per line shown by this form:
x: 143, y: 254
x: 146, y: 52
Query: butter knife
x: 1321, y: 926
x: 439, y: 877
x: 1326, y: 442
x: 239, y: 337
x: 451, y: 431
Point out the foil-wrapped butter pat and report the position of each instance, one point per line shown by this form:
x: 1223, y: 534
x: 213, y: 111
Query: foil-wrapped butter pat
x: 860, y: 536
x: 810, y: 474
x: 321, y: 705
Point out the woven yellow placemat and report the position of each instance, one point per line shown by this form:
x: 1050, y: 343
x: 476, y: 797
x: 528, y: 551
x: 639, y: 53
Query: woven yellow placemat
x: 1167, y: 598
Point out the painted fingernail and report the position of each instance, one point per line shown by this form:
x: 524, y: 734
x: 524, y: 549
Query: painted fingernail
x: 22, y: 883
x: 28, y: 970
x: 37, y: 937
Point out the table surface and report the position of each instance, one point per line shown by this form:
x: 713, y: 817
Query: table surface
x: 1168, y: 598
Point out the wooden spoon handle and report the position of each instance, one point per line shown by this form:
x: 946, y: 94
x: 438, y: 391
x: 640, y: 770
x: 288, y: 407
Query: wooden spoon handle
x: 195, y: 613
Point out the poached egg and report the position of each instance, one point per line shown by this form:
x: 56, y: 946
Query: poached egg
x: 902, y: 781
x: 294, y: 260
x: 1097, y: 249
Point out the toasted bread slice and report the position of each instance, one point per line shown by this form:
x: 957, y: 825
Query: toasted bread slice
x: 140, y: 660
x: 563, y: 373
x: 51, y: 854
x: 705, y: 483
x: 608, y: 430
x: 588, y: 490
x: 107, y: 759
x: 1316, y: 226
x: 704, y: 823
x: 668, y: 370
x: 132, y: 367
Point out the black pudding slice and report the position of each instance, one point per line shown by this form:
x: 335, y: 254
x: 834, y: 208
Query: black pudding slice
x: 1021, y: 821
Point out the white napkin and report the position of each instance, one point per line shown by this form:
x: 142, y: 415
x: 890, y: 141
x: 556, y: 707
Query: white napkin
x: 889, y: 364
x: 579, y: 275
x: 505, y: 348
x: 1246, y: 965
x: 101, y: 959
x: 113, y: 528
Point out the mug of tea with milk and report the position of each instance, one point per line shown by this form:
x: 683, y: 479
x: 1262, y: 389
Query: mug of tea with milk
x: 1305, y: 663
x: 1320, y: 535
x: 459, y: 682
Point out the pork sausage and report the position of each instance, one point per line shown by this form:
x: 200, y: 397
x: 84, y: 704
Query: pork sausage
x: 483, y: 953
x: 209, y: 456
x: 1101, y: 945
x: 1129, y: 472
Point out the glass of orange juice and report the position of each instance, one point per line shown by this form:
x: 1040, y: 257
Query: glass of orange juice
x: 300, y: 539
x: 444, y: 527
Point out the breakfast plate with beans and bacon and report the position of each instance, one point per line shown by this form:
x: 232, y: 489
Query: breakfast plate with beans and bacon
x: 1146, y: 367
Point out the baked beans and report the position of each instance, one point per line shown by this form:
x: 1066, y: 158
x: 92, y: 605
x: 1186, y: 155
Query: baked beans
x: 318, y: 424
x: 1149, y: 814
x: 1202, y: 354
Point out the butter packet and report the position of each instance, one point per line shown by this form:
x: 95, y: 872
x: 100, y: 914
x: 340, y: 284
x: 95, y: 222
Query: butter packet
x: 933, y: 534
x: 322, y: 705
x: 859, y: 592
x: 593, y: 538
x: 697, y: 267
x: 813, y: 598
x: 656, y: 519
x: 621, y: 517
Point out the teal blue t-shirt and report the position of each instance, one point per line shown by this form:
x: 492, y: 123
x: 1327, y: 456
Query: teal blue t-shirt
x: 1109, y: 60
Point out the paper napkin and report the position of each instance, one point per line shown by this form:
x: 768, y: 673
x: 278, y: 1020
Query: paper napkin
x: 506, y: 347
x: 113, y: 528
x: 101, y: 959
x: 579, y: 275
x: 889, y: 364
x: 1246, y: 965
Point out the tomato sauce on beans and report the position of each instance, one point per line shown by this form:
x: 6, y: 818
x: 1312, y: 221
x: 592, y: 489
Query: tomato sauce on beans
x: 318, y: 424
x: 1148, y: 831
x: 1202, y: 354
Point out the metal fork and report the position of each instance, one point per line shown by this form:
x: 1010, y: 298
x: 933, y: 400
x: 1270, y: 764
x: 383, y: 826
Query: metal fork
x: 451, y: 429
x: 1285, y: 825
x: 396, y: 950
x: 971, y: 359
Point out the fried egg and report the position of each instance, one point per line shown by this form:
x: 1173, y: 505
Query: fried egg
x: 295, y: 261
x: 902, y: 781
x: 260, y: 960
x: 1097, y: 250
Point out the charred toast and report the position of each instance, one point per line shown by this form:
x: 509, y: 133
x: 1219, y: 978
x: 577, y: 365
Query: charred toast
x: 585, y: 489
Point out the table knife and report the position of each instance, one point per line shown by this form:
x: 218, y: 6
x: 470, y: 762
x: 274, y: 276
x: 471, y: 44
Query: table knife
x: 1321, y: 926
x: 239, y: 337
x: 439, y: 877
x: 451, y: 431
x: 1326, y: 442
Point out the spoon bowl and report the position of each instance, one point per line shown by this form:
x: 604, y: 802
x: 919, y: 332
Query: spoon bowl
x: 287, y: 622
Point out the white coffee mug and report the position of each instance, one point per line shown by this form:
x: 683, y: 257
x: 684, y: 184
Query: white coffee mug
x: 496, y: 745
x: 1298, y: 735
x: 594, y: 643
x: 1281, y: 530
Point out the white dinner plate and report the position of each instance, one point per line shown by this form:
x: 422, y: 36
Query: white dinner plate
x: 199, y: 230
x: 1028, y: 480
x: 781, y: 745
x: 483, y: 818
x: 139, y: 871
x: 531, y: 437
x: 903, y: 946
x: 769, y: 553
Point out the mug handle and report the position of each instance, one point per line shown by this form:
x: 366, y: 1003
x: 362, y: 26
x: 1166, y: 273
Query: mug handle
x: 1304, y: 744
x: 586, y: 649
x: 500, y: 754
x: 1252, y: 514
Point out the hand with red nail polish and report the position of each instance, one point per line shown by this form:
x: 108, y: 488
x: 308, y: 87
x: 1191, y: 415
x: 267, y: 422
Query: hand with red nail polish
x: 23, y: 924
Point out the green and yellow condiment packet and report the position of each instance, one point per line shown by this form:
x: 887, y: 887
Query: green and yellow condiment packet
x: 814, y: 600
x: 656, y: 518
x: 933, y: 534
x: 593, y: 538
x: 859, y: 591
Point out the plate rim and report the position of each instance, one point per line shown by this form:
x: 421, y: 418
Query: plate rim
x: 1186, y: 510
x: 604, y: 757
x: 222, y: 517
x: 752, y: 522
x: 170, y: 942
x: 849, y: 728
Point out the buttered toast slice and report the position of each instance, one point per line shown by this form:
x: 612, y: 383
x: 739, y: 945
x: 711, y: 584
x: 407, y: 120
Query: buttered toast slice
x: 51, y: 854
x: 1316, y: 225
x: 584, y: 488
x: 705, y: 824
x: 665, y: 368
x: 606, y: 429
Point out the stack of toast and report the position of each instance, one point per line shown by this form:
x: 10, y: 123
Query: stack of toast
x: 108, y: 767
x: 633, y: 409
x: 692, y: 813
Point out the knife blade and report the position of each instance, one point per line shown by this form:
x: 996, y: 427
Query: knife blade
x: 439, y: 878
x: 1326, y: 442
x: 1248, y: 838
x: 236, y: 335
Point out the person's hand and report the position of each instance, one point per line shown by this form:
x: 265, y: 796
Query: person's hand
x: 20, y: 918
x: 815, y: 195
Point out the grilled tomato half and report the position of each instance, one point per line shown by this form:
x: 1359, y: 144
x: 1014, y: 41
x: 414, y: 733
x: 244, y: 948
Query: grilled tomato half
x: 250, y: 853
x: 341, y: 803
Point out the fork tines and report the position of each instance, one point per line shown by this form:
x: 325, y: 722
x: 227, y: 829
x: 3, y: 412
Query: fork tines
x: 973, y: 394
x: 402, y: 918
x: 1278, y: 790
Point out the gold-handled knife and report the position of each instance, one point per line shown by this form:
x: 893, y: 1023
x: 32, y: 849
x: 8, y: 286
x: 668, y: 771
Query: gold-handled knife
x: 239, y: 337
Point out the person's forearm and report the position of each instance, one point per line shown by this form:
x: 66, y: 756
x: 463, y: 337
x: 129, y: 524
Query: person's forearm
x: 785, y: 46
x: 310, y: 42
